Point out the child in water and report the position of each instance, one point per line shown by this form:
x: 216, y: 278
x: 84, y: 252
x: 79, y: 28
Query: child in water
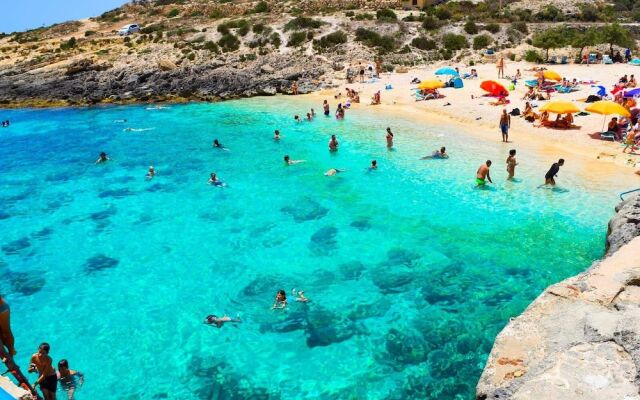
x: 69, y: 379
x: 281, y: 300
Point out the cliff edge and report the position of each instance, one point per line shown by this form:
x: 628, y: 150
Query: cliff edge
x: 580, y: 339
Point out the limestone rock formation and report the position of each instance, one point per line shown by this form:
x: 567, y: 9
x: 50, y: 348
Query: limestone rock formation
x: 580, y: 339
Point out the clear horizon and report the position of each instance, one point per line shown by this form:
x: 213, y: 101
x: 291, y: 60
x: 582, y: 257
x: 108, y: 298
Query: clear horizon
x: 19, y: 16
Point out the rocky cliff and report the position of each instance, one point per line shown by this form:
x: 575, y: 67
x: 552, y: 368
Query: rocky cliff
x: 580, y: 339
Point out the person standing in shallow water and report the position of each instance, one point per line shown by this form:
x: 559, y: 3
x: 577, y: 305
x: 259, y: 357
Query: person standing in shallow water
x: 511, y: 164
x: 69, y: 379
x: 6, y: 336
x: 325, y: 108
x: 549, y: 178
x: 505, y: 124
x: 389, y: 138
x: 482, y: 175
x: 333, y: 143
x: 47, y: 379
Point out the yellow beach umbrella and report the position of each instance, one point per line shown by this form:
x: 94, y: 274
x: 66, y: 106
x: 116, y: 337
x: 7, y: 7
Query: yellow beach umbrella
x: 607, y: 107
x: 551, y: 75
x: 560, y: 107
x: 431, y: 84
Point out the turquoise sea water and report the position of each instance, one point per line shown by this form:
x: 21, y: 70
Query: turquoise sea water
x: 411, y: 271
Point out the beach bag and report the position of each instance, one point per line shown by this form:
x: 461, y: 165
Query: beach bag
x: 592, y: 98
x: 515, y: 112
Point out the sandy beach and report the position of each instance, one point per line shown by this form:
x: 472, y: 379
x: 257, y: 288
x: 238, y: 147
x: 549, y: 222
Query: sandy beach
x: 469, y: 111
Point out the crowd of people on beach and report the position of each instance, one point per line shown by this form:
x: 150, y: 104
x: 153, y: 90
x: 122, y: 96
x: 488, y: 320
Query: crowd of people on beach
x: 41, y: 363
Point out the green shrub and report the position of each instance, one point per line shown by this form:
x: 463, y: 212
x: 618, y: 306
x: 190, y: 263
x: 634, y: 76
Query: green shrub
x: 173, y: 13
x: 296, y: 39
x: 331, y: 40
x: 191, y: 56
x: 153, y: 28
x: 261, y: 7
x: 470, y: 27
x: 258, y: 28
x: 71, y: 43
x: 229, y: 42
x: 452, y: 42
x: 429, y: 23
x: 89, y: 33
x: 532, y: 56
x: 385, y: 14
x: 374, y: 39
x: 520, y: 26
x: 211, y: 46
x: 364, y: 17
x: 300, y: 23
x: 442, y: 13
x: 481, y: 41
x: 275, y: 39
x: 492, y: 27
x: 424, y: 43
x: 550, y: 13
x: 349, y: 14
x: 216, y: 14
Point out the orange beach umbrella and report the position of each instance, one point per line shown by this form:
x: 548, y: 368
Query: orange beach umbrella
x: 607, y: 107
x: 494, y: 88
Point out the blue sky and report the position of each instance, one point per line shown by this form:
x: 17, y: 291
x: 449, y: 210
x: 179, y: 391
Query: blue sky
x: 20, y: 15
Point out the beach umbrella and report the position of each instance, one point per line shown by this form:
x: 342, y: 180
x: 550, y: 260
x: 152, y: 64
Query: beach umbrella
x: 551, y: 75
x: 632, y: 93
x: 602, y: 91
x: 606, y: 107
x: 560, y: 107
x: 494, y: 88
x: 431, y: 84
x: 447, y: 71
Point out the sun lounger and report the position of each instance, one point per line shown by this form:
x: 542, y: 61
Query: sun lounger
x: 563, y: 60
x: 552, y: 60
x: 608, y: 136
x: 593, y: 58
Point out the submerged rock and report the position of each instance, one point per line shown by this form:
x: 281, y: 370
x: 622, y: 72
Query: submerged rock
x: 351, y: 269
x: 325, y: 327
x: 405, y: 347
x: 362, y: 224
x: 116, y: 193
x: 323, y: 241
x: 100, y: 262
x: 16, y: 246
x: 26, y: 283
x: 306, y: 209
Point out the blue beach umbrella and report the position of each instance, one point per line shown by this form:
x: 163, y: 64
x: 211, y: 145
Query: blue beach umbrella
x: 447, y: 71
x: 632, y: 93
x: 602, y: 91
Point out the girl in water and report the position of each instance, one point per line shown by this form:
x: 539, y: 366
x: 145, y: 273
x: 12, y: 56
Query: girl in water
x: 333, y: 143
x: 281, y: 300
x: 389, y: 138
x: 213, y: 180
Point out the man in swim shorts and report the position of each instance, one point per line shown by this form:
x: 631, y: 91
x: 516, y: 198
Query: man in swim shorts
x: 48, y: 379
x: 553, y: 172
x: 505, y: 124
x: 483, y: 174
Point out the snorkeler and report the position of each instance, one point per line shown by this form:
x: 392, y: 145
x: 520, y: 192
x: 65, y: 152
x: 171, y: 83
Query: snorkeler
x: 300, y: 296
x: 102, y: 158
x: 213, y: 320
x: 289, y: 161
x: 151, y: 173
x: 482, y: 175
x: 442, y: 153
x: 281, y: 300
x: 333, y: 171
x: 213, y: 180
x: 69, y: 379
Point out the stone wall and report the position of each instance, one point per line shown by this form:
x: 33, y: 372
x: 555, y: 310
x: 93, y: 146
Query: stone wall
x: 580, y: 339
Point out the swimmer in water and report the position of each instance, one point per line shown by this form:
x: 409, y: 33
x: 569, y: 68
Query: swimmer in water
x: 69, y: 379
x: 213, y: 180
x: 333, y: 171
x: 151, y: 173
x: 374, y: 165
x: 511, y: 164
x: 119, y: 121
x: 297, y: 118
x: 217, y: 144
x: 313, y: 113
x: 213, y: 320
x: 102, y: 158
x: 276, y: 135
x: 442, y: 153
x: 281, y: 300
x: 309, y: 117
x: 389, y: 138
x: 482, y: 175
x: 289, y: 161
x: 333, y: 143
x: 300, y: 296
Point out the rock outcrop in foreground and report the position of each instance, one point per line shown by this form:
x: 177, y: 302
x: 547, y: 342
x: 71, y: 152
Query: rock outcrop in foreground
x: 580, y: 339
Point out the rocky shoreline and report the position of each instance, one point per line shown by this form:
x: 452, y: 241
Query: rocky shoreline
x: 85, y: 82
x: 580, y: 339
